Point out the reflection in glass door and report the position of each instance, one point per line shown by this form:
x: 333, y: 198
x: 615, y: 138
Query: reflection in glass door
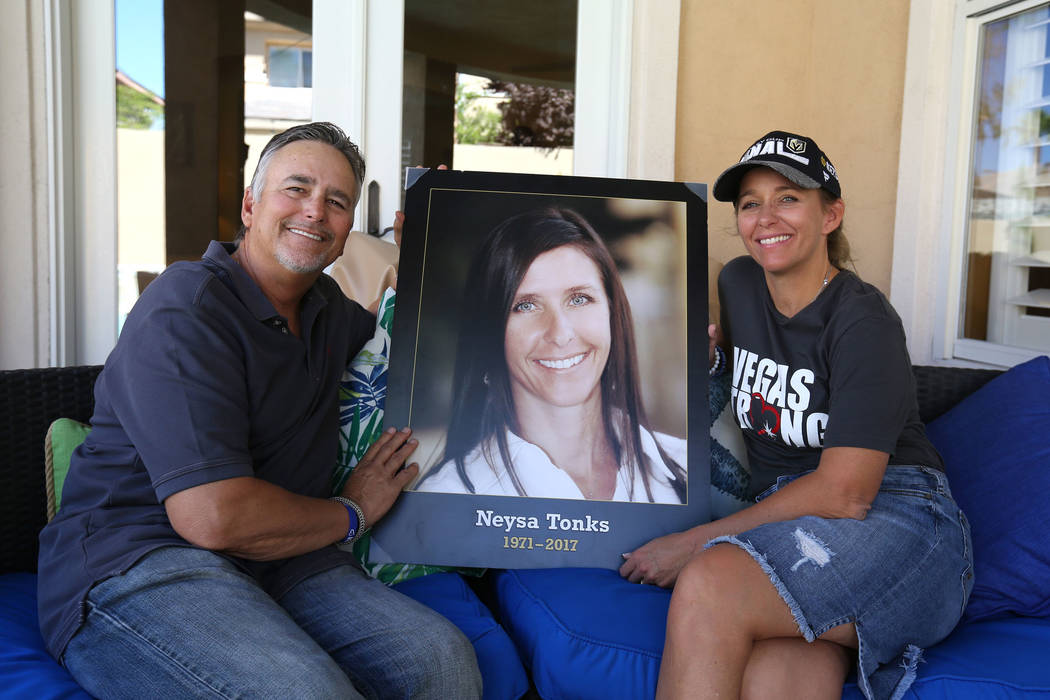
x: 490, y: 85
x: 201, y: 87
x: 141, y: 255
x: 278, y: 79
x: 408, y: 71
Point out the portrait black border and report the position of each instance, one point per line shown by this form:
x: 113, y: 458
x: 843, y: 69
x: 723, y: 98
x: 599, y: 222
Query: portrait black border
x: 441, y: 528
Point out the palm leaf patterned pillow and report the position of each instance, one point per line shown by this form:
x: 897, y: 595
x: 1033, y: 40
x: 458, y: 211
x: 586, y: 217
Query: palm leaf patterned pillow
x: 362, y: 396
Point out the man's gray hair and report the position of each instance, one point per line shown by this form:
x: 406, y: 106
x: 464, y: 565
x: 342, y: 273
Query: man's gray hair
x: 324, y: 132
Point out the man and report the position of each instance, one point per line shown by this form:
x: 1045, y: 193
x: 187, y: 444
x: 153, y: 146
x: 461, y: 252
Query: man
x: 194, y: 554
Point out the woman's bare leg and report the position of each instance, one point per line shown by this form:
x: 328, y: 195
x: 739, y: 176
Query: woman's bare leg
x: 795, y: 668
x: 723, y: 603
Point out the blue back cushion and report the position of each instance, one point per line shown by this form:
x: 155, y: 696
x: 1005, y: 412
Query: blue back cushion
x: 585, y: 633
x: 503, y: 677
x: 996, y: 449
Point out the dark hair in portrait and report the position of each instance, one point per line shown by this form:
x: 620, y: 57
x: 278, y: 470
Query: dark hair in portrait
x: 483, y: 408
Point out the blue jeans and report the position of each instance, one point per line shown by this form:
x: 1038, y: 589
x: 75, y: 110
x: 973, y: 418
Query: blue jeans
x: 187, y: 623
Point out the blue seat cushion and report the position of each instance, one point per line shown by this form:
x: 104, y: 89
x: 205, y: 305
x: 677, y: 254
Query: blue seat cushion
x: 503, y: 676
x: 26, y: 669
x: 1005, y: 658
x: 584, y: 633
x: 587, y: 633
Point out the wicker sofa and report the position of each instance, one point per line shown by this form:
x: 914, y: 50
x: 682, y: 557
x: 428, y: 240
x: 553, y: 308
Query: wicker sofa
x: 1004, y: 655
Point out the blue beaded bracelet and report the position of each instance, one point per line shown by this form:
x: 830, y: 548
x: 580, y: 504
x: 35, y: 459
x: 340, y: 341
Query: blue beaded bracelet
x: 356, y: 527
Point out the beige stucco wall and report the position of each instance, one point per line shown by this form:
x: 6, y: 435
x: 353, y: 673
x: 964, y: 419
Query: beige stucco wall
x: 830, y: 69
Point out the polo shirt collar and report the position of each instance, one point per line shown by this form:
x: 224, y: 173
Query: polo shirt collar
x: 220, y: 253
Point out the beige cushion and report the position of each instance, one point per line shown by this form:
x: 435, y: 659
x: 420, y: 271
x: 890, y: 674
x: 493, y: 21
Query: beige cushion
x: 366, y: 268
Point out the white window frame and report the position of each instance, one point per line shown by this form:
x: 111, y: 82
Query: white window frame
x: 930, y: 232
x: 82, y: 204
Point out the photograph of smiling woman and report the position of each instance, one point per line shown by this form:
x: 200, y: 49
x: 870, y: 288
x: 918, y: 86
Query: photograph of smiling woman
x: 487, y: 422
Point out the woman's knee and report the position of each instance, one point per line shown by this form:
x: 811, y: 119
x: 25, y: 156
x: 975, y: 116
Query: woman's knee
x: 725, y: 587
x: 709, y: 577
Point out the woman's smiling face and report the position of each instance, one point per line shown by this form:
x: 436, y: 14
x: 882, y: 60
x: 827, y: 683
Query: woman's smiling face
x: 784, y: 227
x: 557, y: 336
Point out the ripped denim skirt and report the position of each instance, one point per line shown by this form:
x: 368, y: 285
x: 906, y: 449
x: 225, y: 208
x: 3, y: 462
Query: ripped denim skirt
x: 902, y: 575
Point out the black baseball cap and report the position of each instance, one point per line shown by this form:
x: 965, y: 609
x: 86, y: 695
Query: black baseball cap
x: 798, y: 158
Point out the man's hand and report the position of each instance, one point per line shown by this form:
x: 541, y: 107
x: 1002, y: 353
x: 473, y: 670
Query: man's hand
x: 378, y: 478
x: 399, y: 216
x: 398, y: 226
x: 658, y: 561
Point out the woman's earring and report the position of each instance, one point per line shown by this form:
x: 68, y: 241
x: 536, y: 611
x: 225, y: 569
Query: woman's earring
x: 485, y: 378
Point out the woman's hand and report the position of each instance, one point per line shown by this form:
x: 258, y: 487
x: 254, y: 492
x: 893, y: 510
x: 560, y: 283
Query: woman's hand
x: 377, y: 480
x: 658, y: 561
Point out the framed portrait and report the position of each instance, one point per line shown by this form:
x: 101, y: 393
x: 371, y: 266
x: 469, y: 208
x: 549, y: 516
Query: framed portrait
x: 549, y: 350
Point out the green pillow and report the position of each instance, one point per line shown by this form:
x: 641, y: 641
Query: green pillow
x: 62, y: 438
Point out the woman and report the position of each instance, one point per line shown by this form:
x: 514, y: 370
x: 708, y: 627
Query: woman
x: 856, y: 548
x: 547, y: 400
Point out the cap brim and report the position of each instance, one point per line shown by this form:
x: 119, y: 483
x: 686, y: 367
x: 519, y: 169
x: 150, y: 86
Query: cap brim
x: 727, y: 186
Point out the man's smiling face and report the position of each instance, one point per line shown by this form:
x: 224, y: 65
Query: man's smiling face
x: 305, y: 209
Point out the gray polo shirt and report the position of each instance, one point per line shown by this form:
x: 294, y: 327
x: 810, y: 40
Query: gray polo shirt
x: 205, y: 383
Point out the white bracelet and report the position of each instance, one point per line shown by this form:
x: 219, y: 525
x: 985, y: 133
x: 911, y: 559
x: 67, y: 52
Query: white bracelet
x: 719, y: 364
